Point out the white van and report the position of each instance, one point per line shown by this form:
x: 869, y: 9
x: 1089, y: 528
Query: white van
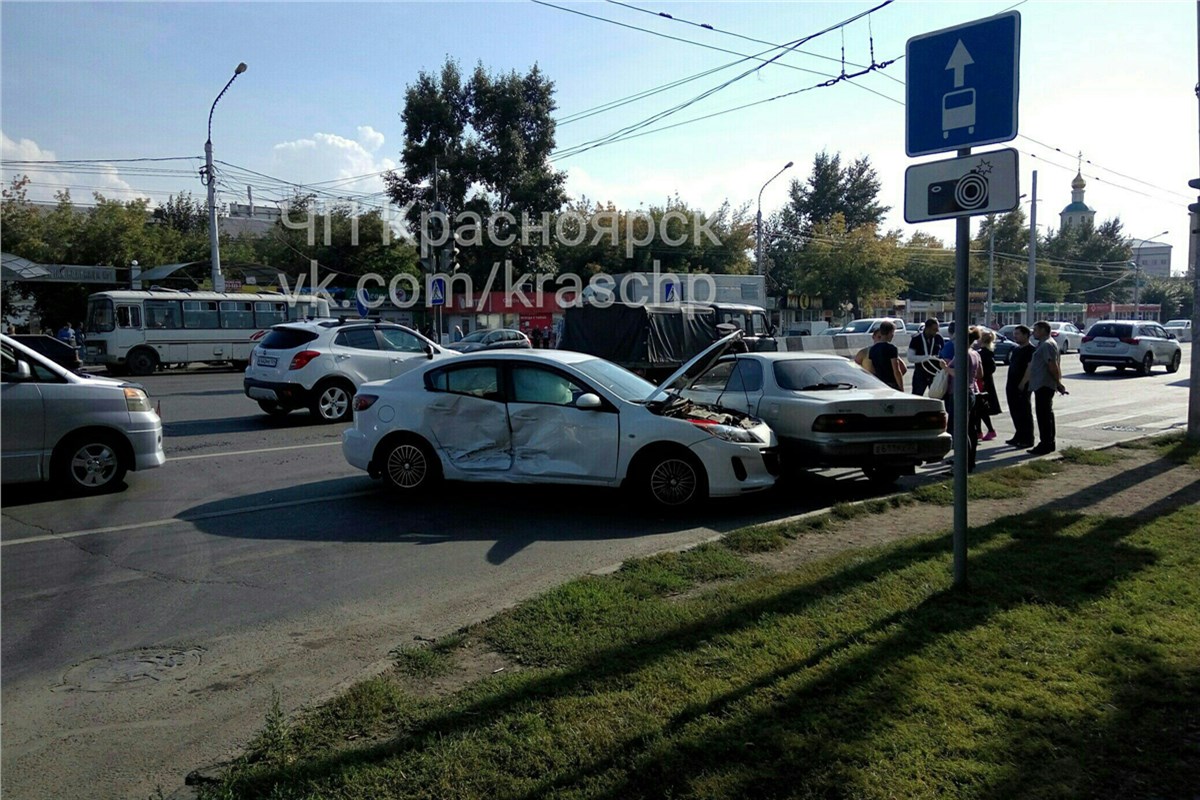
x: 82, y: 433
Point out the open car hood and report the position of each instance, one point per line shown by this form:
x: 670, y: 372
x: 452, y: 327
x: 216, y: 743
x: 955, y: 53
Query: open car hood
x: 683, y: 378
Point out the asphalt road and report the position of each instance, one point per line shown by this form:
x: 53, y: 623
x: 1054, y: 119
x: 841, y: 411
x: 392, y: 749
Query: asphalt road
x: 145, y: 631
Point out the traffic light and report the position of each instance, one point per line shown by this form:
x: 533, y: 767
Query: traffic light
x: 1195, y: 184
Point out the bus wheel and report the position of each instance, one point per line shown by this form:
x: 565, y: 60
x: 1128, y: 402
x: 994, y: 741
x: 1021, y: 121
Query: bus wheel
x: 141, y: 362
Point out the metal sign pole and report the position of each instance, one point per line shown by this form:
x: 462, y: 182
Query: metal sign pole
x: 962, y: 299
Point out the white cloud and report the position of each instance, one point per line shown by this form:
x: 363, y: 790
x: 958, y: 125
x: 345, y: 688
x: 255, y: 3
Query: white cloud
x: 328, y: 160
x: 47, y: 179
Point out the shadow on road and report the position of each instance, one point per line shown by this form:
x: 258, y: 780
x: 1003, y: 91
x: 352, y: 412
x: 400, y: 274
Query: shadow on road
x: 257, y: 422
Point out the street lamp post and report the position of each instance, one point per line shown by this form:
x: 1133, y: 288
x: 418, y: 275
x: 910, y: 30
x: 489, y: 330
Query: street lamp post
x: 1137, y: 272
x: 758, y: 256
x: 218, y: 280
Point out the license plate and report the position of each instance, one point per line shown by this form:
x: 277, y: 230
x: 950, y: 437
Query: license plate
x: 267, y: 361
x: 1106, y: 344
x: 895, y: 449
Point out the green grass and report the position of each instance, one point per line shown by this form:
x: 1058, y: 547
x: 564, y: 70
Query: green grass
x: 1067, y: 669
x: 1173, y: 447
x: 998, y: 484
x: 1090, y: 458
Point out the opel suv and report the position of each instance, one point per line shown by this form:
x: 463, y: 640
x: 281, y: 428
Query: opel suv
x: 319, y: 365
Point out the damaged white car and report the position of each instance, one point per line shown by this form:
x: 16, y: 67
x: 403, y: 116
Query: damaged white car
x: 554, y: 416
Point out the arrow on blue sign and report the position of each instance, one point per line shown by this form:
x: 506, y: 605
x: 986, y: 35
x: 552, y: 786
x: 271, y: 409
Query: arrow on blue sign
x: 963, y: 85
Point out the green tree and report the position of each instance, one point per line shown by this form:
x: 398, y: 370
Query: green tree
x: 1173, y: 294
x: 485, y: 144
x: 853, y: 266
x: 1092, y: 261
x: 927, y: 267
x: 851, y: 191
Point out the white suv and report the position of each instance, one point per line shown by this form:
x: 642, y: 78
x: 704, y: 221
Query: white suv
x: 1128, y: 343
x: 319, y: 365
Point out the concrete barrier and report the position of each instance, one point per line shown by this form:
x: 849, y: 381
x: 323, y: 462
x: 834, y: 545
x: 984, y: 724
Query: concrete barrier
x: 841, y: 344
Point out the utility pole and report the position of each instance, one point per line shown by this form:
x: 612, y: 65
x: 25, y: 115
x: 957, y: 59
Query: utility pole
x: 218, y: 280
x: 1193, y: 418
x: 991, y: 272
x: 1031, y: 279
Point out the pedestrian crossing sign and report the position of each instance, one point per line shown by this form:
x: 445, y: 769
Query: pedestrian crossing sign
x: 437, y: 292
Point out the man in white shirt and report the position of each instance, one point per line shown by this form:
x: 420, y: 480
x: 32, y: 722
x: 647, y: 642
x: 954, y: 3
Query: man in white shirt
x: 925, y: 345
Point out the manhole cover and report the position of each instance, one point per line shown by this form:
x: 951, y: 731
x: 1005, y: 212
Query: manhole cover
x: 132, y: 670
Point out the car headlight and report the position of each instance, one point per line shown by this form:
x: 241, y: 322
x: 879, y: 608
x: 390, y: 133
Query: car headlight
x: 728, y: 433
x: 136, y: 399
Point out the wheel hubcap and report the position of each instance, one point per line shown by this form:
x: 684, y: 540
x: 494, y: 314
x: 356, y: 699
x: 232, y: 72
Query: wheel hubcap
x: 406, y: 466
x: 94, y: 465
x: 334, y: 403
x: 673, y: 482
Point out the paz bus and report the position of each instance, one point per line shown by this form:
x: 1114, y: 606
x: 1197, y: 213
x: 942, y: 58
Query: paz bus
x: 136, y: 332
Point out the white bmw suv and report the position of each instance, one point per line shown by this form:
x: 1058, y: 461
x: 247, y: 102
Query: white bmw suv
x: 320, y: 364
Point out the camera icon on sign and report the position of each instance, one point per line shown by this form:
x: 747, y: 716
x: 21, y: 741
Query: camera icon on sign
x: 965, y: 194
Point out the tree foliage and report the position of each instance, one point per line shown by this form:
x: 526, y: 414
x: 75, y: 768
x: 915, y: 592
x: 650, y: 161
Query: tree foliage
x: 485, y: 144
x: 1093, y: 261
x: 852, y: 267
x: 851, y: 191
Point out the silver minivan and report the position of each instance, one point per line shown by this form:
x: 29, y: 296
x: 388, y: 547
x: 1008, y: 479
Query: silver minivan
x: 81, y: 433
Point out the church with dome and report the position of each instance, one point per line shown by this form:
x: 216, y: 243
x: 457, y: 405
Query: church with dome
x: 1078, y: 212
x: 1153, y: 258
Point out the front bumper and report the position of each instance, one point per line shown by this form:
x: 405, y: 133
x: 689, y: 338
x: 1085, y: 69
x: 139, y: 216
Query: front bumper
x: 734, y: 468
x: 146, y: 438
x: 877, y: 452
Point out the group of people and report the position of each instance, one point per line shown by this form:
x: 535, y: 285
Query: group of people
x: 70, y: 335
x: 542, y: 338
x: 1034, y: 372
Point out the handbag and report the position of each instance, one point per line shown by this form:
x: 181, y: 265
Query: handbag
x: 940, y: 385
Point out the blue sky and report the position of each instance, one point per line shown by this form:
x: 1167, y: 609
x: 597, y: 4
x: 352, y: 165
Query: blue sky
x: 322, y: 96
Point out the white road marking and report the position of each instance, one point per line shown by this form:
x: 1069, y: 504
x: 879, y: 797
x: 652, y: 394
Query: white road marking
x: 251, y: 452
x: 176, y: 520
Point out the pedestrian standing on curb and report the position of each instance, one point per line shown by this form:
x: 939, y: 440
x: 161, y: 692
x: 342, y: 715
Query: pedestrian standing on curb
x: 990, y: 405
x: 1019, y: 407
x: 536, y: 337
x: 1044, y: 378
x: 974, y: 371
x: 885, y: 358
x: 924, y: 346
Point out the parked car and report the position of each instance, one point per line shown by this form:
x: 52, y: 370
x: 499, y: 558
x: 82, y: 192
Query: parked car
x: 1129, y: 343
x: 832, y: 331
x: 80, y: 433
x: 556, y: 416
x: 1181, y: 328
x: 870, y: 324
x: 319, y: 365
x: 1066, y: 336
x: 54, y: 349
x: 491, y: 340
x: 913, y: 328
x: 829, y: 413
x: 1004, y: 348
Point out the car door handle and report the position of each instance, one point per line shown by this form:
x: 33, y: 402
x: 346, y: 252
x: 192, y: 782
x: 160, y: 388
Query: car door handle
x: 341, y: 357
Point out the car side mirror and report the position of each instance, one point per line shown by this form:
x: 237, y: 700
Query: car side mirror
x: 588, y: 402
x: 1170, y: 335
x: 428, y: 350
x: 23, y: 372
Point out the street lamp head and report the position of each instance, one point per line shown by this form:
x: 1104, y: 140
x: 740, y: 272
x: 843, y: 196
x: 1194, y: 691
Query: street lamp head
x: 240, y: 68
x: 788, y: 165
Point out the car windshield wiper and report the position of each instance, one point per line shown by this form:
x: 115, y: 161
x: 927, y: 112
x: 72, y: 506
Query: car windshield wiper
x: 818, y: 387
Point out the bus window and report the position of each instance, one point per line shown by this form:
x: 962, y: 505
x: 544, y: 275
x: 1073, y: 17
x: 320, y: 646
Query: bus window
x: 237, y: 314
x: 129, y: 317
x: 99, y: 315
x: 267, y: 314
x: 163, y: 314
x: 200, y: 314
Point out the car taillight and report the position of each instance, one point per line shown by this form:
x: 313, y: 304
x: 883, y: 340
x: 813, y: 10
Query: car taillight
x: 930, y: 421
x: 1054, y: 334
x: 1130, y: 341
x: 837, y: 423
x: 136, y: 400
x: 1087, y: 339
x: 364, y: 401
x: 301, y: 359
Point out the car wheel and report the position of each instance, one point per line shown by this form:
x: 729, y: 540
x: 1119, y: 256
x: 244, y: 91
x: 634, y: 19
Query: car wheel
x: 1090, y: 369
x: 674, y: 480
x: 141, y: 362
x: 409, y: 465
x: 884, y: 476
x: 332, y: 402
x: 1147, y: 364
x: 89, y: 463
x: 273, y: 408
x: 1175, y: 361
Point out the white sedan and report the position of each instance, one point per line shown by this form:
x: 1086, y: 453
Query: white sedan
x: 827, y: 412
x: 553, y: 416
x: 1066, y: 336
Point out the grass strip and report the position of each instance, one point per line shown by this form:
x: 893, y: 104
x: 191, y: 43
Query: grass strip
x: 1067, y: 669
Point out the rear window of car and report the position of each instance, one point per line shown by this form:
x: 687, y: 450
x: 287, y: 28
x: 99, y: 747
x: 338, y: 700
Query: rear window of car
x: 286, y: 339
x: 1111, y: 330
x: 827, y: 373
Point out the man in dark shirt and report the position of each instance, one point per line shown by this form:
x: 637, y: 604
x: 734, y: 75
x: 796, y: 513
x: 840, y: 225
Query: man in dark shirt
x: 885, y: 358
x: 925, y: 345
x: 1018, y: 398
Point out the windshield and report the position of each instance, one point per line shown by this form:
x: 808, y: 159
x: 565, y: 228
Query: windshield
x: 1178, y: 323
x: 618, y: 380
x: 859, y: 326
x: 477, y: 336
x: 831, y: 373
x: 99, y: 315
